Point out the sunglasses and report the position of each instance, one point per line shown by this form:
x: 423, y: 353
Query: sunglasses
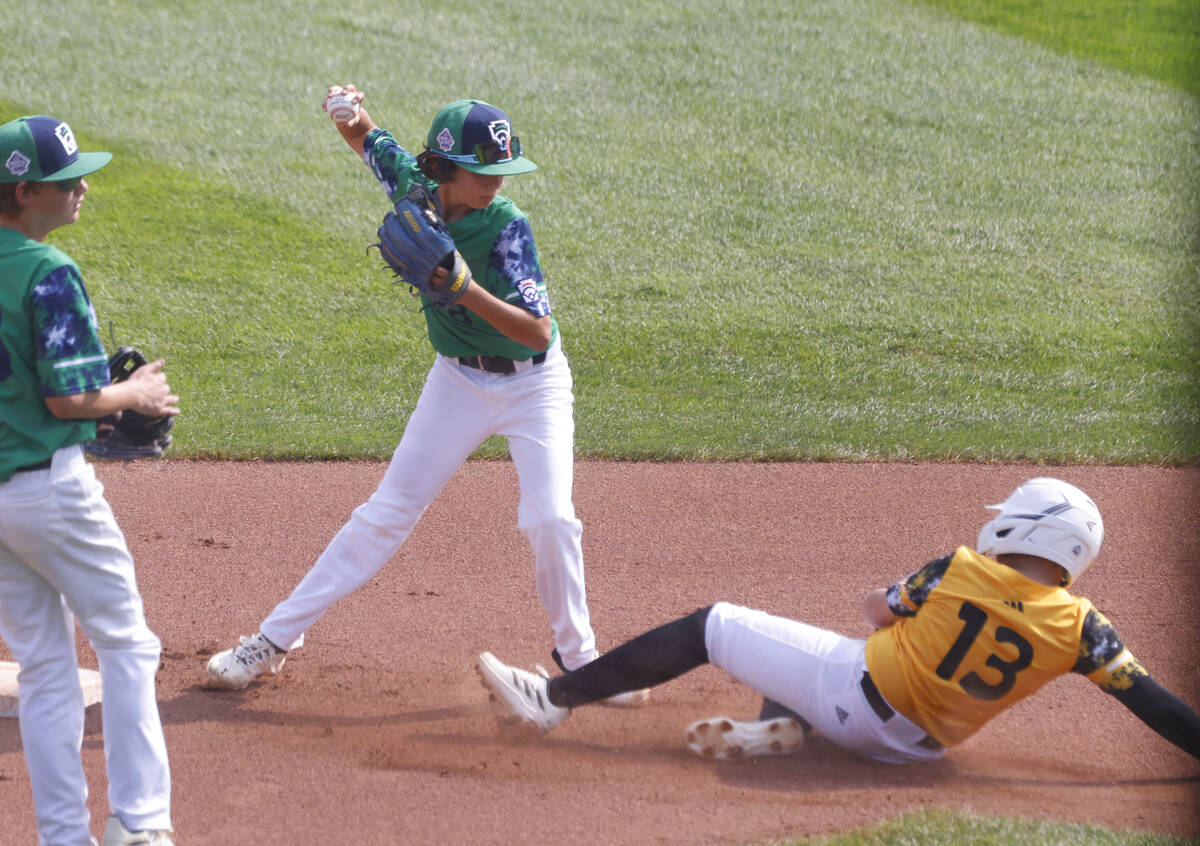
x: 491, y: 152
x: 68, y: 185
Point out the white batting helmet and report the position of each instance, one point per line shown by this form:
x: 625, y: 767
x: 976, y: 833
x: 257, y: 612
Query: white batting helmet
x: 1048, y: 518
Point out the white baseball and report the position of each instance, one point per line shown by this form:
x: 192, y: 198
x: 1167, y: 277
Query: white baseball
x: 341, y: 107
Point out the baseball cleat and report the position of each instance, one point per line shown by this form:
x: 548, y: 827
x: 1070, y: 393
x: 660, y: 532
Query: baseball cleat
x: 116, y: 834
x: 522, y: 693
x: 235, y: 668
x: 725, y: 739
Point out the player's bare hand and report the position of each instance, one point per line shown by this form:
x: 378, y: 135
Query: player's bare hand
x: 343, y: 104
x: 151, y: 394
x: 349, y: 90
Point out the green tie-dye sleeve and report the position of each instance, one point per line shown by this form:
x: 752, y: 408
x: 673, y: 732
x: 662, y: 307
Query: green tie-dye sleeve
x: 394, y: 167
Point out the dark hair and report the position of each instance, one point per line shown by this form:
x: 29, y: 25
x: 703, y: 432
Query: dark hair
x: 434, y: 167
x: 9, y: 207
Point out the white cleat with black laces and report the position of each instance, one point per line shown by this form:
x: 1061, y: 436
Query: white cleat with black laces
x: 235, y: 668
x: 523, y: 694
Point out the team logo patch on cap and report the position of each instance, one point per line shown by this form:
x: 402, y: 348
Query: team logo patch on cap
x: 67, y: 138
x: 501, y: 132
x: 18, y: 163
x: 445, y: 140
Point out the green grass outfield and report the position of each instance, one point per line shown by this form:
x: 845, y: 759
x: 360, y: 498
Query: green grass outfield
x: 863, y: 229
x: 923, y: 828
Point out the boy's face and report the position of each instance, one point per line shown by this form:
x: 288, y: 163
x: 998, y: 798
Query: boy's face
x: 474, y: 189
x: 50, y: 205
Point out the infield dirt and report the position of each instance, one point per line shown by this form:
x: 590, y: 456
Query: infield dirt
x: 378, y: 732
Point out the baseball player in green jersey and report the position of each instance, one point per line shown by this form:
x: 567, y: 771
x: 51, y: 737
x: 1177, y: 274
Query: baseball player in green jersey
x: 499, y: 369
x: 957, y: 642
x: 62, y: 556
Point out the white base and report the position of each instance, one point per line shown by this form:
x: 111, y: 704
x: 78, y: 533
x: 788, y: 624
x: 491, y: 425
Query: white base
x: 88, y: 679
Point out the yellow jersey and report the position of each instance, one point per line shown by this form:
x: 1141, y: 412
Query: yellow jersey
x: 976, y: 636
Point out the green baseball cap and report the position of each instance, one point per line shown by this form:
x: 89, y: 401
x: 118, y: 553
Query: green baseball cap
x: 479, y: 137
x: 43, y: 149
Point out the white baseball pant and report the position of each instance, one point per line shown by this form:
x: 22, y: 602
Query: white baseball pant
x: 814, y: 672
x: 63, y: 558
x: 458, y: 409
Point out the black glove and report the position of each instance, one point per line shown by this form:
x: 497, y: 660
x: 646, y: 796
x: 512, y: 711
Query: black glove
x: 127, y: 435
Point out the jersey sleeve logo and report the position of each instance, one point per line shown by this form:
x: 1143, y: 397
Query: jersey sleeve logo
x: 529, y: 291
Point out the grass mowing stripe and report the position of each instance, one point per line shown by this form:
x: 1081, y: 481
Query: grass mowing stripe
x: 1159, y: 39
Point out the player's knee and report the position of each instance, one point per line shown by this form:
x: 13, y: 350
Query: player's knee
x: 133, y: 637
x: 720, y: 610
x: 47, y: 670
x: 561, y: 527
x: 129, y: 661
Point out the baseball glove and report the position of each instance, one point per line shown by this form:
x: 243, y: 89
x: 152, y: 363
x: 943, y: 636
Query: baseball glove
x: 415, y: 241
x: 127, y: 435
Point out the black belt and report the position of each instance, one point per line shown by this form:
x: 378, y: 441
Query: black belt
x: 41, y: 465
x: 495, y: 363
x: 885, y: 711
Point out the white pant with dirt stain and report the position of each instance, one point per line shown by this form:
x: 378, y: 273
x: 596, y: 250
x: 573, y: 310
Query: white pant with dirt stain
x: 63, y: 558
x: 459, y: 408
x: 814, y: 672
